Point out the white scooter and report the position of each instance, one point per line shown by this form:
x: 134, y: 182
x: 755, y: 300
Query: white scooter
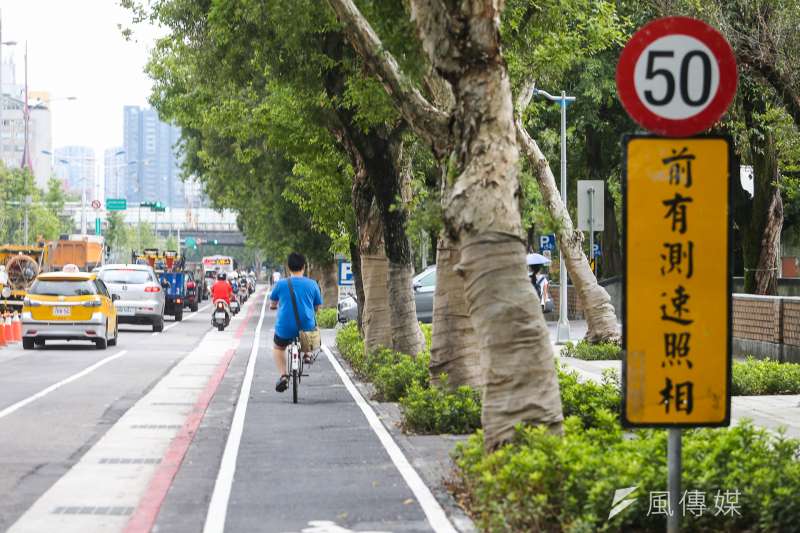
x: 221, y: 317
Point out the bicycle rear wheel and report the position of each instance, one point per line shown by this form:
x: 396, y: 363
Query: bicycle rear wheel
x: 295, y: 383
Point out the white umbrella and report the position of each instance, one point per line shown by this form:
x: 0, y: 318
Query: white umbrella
x: 536, y: 259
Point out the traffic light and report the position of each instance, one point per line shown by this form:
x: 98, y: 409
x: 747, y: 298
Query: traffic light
x: 214, y: 242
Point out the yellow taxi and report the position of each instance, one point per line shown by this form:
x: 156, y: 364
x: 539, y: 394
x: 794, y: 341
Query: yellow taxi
x: 69, y: 306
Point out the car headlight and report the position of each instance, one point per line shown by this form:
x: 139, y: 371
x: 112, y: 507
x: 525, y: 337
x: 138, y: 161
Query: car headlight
x: 6, y: 292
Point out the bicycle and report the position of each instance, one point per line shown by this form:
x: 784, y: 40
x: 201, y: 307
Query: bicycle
x: 295, y: 365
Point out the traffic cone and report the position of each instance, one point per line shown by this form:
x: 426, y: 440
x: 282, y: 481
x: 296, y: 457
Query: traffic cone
x: 16, y: 326
x: 2, y: 334
x: 8, y: 329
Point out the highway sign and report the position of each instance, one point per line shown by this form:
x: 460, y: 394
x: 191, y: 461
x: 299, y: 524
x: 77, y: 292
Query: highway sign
x: 676, y: 76
x: 116, y: 204
x: 677, y: 320
x: 547, y: 243
x: 345, y: 273
x: 590, y: 205
x: 96, y: 205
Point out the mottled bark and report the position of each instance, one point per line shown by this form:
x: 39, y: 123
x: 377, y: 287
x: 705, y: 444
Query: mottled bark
x: 481, y: 208
x: 329, y: 283
x: 454, y: 346
x: 761, y: 219
x: 601, y: 320
x: 766, y: 270
x: 386, y: 170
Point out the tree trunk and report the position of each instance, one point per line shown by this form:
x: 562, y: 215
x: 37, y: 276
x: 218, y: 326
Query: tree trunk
x: 481, y: 208
x: 601, y: 320
x: 329, y: 283
x: 379, y: 152
x: 454, y: 346
x: 762, y: 218
x: 766, y: 270
x: 355, y: 260
x: 377, y: 316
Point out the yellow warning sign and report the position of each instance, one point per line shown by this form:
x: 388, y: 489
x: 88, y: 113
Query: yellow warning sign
x: 677, y: 365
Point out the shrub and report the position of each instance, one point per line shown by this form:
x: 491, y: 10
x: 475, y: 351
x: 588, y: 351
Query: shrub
x: 327, y: 318
x: 604, y: 351
x: 588, y: 399
x: 437, y: 409
x: 758, y: 377
x: 544, y: 482
x: 427, y: 330
x: 393, y: 378
x: 351, y: 347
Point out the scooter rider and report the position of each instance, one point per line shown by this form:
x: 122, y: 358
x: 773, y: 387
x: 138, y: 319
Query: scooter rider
x: 222, y: 290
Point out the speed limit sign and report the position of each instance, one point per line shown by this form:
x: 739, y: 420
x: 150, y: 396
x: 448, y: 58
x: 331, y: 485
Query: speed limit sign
x: 676, y: 76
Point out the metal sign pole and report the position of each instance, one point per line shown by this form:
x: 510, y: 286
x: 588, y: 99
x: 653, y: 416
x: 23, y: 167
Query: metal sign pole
x: 562, y: 331
x: 674, y: 479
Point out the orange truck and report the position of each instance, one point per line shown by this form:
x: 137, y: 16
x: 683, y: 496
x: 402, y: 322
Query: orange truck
x: 84, y: 251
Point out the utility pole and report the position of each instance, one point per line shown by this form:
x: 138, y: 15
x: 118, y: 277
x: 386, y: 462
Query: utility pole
x: 562, y: 332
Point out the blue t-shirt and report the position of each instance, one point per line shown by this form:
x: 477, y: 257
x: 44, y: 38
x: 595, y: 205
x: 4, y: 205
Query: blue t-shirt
x: 307, y: 295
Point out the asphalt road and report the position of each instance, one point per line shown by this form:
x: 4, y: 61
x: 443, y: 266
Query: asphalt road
x: 183, y: 430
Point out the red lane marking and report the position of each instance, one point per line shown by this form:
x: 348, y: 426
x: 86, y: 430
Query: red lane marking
x: 144, y: 517
x: 146, y: 512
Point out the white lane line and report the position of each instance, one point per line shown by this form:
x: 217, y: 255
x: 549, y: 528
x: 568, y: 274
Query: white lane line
x: 218, y: 507
x: 190, y: 315
x: 437, y: 518
x: 44, y: 392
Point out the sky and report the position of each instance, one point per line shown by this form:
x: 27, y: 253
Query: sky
x: 76, y: 49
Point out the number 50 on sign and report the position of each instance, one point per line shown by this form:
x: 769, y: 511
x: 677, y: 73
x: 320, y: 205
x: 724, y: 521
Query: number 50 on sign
x: 677, y: 330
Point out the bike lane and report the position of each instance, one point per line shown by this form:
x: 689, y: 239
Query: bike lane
x: 317, y: 466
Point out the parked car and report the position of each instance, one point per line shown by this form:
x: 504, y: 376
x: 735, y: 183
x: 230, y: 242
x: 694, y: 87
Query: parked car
x: 69, y: 306
x: 141, y: 298
x: 424, y: 285
x: 347, y: 309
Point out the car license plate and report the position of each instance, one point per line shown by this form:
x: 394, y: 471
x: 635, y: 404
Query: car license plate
x: 126, y: 310
x: 220, y: 316
x: 61, y: 311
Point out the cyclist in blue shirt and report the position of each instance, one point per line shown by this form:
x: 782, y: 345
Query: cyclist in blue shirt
x: 308, y: 298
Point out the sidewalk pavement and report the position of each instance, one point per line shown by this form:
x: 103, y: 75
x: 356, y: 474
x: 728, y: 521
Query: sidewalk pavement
x: 771, y: 412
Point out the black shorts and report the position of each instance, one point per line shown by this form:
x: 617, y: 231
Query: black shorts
x: 281, y: 342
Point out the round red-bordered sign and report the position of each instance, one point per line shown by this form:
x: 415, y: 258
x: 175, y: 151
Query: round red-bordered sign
x: 676, y: 76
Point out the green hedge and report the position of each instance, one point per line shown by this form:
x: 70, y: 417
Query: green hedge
x: 437, y: 409
x: 543, y: 482
x: 604, y: 351
x: 327, y: 318
x: 394, y: 378
x: 754, y: 377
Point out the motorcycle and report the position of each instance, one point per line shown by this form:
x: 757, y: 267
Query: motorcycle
x: 235, y: 305
x: 243, y: 292
x: 220, y: 318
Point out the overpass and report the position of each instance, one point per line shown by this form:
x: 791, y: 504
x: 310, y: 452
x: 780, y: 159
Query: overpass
x: 205, y: 236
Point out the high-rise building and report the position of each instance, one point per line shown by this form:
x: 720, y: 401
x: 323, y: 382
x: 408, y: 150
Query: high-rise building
x: 12, y: 129
x: 152, y: 166
x: 74, y: 164
x: 114, y: 172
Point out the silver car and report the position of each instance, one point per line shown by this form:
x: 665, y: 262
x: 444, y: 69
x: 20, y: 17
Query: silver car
x: 424, y: 285
x: 141, y: 297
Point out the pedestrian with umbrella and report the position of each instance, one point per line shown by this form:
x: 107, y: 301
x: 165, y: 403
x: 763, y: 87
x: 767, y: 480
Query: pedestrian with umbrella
x: 536, y: 264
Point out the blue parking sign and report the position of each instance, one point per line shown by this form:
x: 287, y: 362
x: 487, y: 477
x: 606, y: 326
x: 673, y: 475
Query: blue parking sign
x: 597, y: 250
x: 345, y: 273
x: 547, y: 243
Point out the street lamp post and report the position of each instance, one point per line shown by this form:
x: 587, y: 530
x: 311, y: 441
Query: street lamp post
x: 562, y: 332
